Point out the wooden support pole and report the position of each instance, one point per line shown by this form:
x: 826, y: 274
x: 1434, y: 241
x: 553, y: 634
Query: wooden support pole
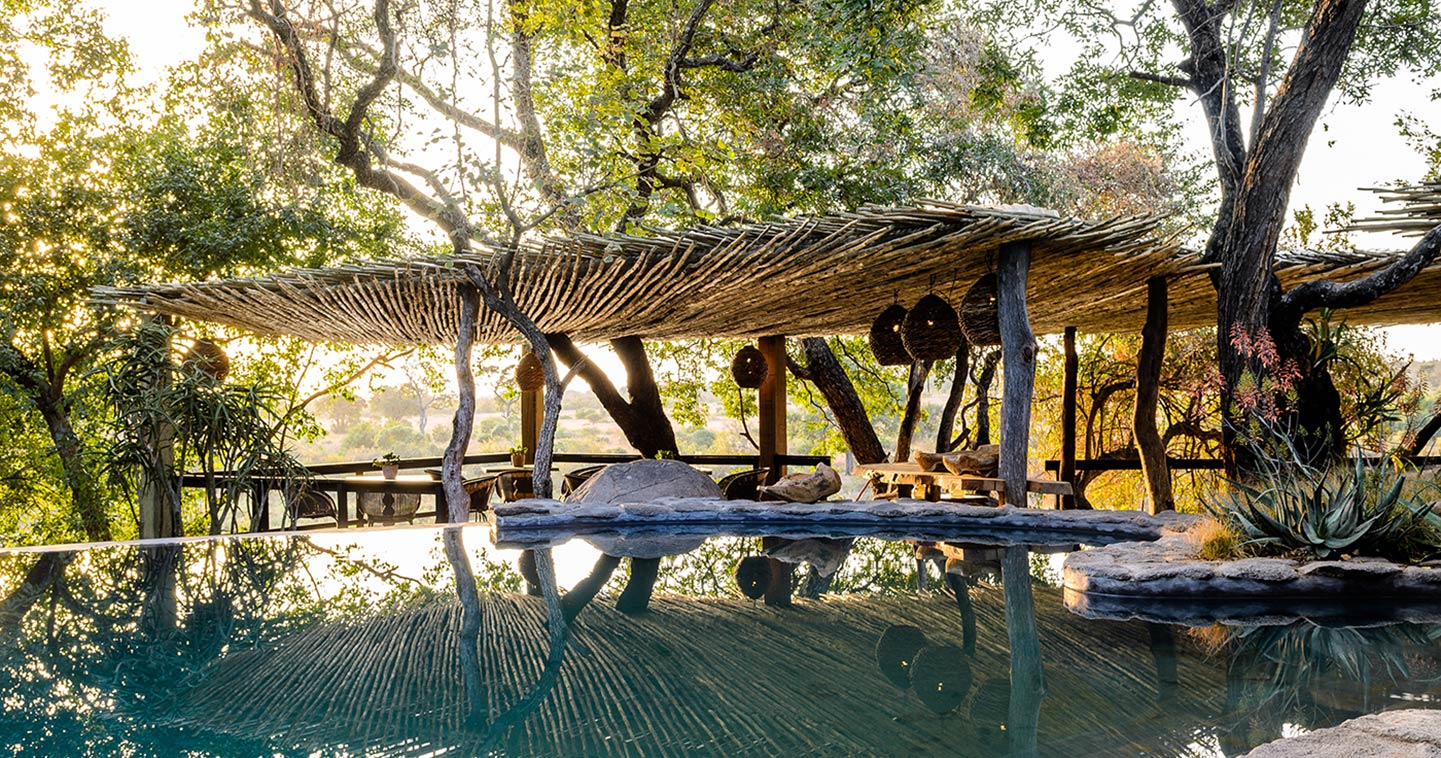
x: 1018, y: 362
x: 532, y: 413
x: 1154, y: 466
x: 456, y: 506
x: 1028, y: 680
x: 1068, y: 416
x: 772, y: 437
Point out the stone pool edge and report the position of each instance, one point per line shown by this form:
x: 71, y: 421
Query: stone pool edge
x: 1167, y: 569
x: 538, y: 514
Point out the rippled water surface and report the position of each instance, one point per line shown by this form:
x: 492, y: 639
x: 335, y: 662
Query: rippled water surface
x: 442, y: 642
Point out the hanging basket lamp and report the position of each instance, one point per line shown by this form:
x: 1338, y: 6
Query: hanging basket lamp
x: 749, y: 368
x: 885, y: 337
x: 207, y: 357
x: 979, y: 318
x: 931, y: 330
x: 529, y: 374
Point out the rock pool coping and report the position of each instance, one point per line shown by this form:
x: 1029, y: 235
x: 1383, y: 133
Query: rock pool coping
x: 1162, y: 580
x: 1409, y: 732
x: 543, y: 520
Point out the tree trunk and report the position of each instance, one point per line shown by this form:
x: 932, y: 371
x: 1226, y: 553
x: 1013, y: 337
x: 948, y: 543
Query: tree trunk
x: 642, y: 418
x: 825, y: 371
x: 983, y: 398
x: 915, y: 385
x: 85, y: 496
x: 1068, y: 416
x: 945, y: 441
x: 451, y: 475
x: 1154, y: 466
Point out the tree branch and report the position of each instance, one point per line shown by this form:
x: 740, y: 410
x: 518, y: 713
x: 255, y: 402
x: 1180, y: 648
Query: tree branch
x: 1324, y: 293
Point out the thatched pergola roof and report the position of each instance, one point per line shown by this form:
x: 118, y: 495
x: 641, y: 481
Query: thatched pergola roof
x: 804, y: 276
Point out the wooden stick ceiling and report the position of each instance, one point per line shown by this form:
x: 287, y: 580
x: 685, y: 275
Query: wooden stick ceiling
x: 805, y: 276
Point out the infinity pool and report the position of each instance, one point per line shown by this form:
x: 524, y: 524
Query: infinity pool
x: 359, y: 643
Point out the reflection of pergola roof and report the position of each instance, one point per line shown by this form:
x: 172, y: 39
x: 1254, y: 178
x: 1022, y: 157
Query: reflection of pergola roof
x: 824, y: 275
x: 696, y: 676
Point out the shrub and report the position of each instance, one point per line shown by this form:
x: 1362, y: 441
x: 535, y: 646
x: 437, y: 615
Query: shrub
x: 1347, y: 510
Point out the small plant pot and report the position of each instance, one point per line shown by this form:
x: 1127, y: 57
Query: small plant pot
x: 517, y: 459
x: 390, y: 470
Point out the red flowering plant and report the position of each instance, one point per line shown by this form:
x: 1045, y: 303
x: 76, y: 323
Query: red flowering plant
x: 1290, y: 506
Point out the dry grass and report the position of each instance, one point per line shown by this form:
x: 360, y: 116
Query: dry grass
x: 1217, y: 540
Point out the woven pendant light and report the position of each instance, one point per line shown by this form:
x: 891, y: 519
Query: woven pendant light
x: 931, y: 330
x: 749, y: 368
x: 885, y: 337
x: 529, y: 374
x: 753, y: 575
x: 207, y: 357
x: 979, y: 318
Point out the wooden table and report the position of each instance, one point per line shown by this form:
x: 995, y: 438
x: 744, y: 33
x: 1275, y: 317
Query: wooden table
x: 904, y: 478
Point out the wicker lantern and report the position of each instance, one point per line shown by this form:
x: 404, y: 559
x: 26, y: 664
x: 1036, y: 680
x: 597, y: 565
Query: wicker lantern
x: 931, y: 330
x: 206, y: 357
x: 753, y: 575
x: 529, y: 374
x: 749, y: 368
x: 979, y: 318
x: 885, y: 337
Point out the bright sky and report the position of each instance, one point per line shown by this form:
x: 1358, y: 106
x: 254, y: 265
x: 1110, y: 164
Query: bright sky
x: 1356, y: 147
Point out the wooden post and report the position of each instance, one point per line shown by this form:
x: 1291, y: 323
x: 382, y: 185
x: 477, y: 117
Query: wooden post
x: 1068, y: 417
x: 1154, y: 467
x: 1028, y: 681
x: 532, y: 411
x: 772, y: 438
x: 1018, y: 357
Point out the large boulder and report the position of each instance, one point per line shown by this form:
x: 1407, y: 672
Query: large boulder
x: 644, y: 481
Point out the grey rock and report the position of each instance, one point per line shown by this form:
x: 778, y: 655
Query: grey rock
x: 644, y: 481
x: 644, y: 545
x: 1358, y: 569
x: 1259, y: 569
x: 1405, y: 734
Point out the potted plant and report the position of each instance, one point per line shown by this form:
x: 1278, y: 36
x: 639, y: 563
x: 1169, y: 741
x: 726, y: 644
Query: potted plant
x: 389, y: 465
x: 517, y: 455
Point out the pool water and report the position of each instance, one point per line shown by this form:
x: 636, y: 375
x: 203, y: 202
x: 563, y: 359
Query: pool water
x: 359, y: 643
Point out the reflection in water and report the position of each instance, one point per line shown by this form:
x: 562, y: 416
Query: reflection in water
x: 278, y: 646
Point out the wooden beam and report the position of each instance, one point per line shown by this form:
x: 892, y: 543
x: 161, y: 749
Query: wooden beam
x: 1018, y: 362
x: 1154, y: 467
x: 532, y: 412
x: 772, y: 436
x: 1068, y: 415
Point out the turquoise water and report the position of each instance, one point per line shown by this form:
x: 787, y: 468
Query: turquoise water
x: 358, y: 643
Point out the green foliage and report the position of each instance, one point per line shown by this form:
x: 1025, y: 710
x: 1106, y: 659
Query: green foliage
x: 1352, y: 510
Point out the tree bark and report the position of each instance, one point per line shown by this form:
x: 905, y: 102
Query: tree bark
x: 85, y: 496
x: 825, y: 371
x: 984, y: 381
x: 456, y: 499
x: 1068, y: 415
x: 915, y: 385
x: 1154, y: 467
x: 1018, y: 348
x: 642, y: 418
x: 946, y: 429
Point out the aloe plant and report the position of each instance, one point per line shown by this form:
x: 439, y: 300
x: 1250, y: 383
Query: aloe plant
x: 1351, y: 509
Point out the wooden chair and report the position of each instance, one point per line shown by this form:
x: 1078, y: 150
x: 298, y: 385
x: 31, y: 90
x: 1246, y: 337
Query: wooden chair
x: 578, y: 477
x: 515, y: 485
x: 742, y: 484
x: 479, y: 490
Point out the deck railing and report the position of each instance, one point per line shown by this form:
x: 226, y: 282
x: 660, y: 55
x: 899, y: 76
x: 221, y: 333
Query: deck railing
x: 333, y: 478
